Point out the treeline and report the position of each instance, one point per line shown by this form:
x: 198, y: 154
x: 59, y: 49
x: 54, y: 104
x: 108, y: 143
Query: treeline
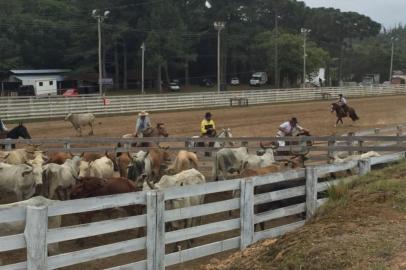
x: 181, y: 41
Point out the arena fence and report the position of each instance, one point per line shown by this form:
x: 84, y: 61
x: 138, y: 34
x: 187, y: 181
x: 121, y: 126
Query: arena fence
x: 310, y: 193
x: 27, y: 108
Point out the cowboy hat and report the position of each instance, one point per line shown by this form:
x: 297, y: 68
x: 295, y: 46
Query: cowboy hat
x: 143, y: 113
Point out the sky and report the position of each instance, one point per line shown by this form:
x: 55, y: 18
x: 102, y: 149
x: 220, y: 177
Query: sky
x: 387, y: 12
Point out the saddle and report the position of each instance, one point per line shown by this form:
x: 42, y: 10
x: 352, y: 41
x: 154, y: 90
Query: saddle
x: 147, y: 132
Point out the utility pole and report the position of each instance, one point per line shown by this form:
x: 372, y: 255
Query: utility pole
x: 276, y: 52
x: 305, y: 32
x: 393, y: 39
x: 219, y: 26
x: 100, y: 18
x: 143, y: 67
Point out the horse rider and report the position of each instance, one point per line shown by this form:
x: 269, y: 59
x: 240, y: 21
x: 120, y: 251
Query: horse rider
x: 288, y: 128
x: 143, y: 124
x: 342, y: 102
x: 3, y: 127
x: 207, y: 126
x: 208, y: 129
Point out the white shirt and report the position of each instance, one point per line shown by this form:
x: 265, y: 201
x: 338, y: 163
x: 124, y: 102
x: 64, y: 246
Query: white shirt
x: 342, y: 101
x: 287, y: 129
x: 3, y: 126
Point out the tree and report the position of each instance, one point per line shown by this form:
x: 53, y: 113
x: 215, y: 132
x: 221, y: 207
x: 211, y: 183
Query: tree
x: 290, y: 56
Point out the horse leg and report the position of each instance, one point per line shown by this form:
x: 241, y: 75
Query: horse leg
x: 91, y: 129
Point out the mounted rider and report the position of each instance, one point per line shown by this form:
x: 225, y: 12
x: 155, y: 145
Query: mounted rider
x: 207, y: 126
x: 342, y: 102
x: 143, y: 124
x: 208, y: 129
x: 288, y: 128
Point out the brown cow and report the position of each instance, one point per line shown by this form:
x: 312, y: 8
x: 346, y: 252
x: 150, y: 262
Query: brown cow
x: 58, y: 157
x: 155, y: 161
x: 184, y: 161
x: 61, y: 157
x: 93, y: 187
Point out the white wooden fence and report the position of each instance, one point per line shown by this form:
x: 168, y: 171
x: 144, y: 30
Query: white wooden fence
x: 37, y: 235
x: 26, y: 108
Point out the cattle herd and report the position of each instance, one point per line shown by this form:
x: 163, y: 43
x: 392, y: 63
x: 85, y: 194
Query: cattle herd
x: 32, y: 172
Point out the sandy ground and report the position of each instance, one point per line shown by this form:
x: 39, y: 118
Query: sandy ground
x: 244, y: 121
x: 247, y: 121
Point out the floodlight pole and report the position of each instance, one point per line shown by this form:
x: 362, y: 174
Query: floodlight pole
x: 219, y: 26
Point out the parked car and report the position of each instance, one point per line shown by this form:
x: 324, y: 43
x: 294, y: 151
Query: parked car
x: 259, y: 78
x: 26, y: 90
x: 207, y: 82
x: 235, y: 81
x: 174, y: 85
x: 72, y: 92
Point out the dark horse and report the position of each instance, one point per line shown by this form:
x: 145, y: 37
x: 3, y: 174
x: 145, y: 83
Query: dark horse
x: 341, y: 113
x: 19, y: 131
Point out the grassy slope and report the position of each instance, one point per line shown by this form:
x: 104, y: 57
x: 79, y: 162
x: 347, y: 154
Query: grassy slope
x: 363, y: 226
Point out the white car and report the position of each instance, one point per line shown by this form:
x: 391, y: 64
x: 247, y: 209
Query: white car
x: 235, y: 81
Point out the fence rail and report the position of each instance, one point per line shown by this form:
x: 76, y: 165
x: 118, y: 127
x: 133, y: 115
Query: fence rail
x: 37, y: 235
x: 57, y: 107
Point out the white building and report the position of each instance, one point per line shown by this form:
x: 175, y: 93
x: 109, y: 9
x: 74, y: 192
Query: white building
x: 43, y: 81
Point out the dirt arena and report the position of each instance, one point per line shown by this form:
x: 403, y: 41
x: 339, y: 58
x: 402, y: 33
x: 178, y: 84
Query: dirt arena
x: 244, y: 121
x: 247, y: 121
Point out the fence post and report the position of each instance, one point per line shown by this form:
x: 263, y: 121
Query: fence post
x: 66, y: 146
x: 8, y: 147
x: 35, y: 233
x: 311, y: 191
x: 350, y: 143
x: 330, y: 153
x: 155, y: 230
x: 247, y: 212
x: 364, y: 166
x: 399, y: 133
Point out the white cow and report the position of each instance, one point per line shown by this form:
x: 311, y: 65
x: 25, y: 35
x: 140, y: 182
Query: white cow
x: 81, y: 120
x: 18, y: 156
x: 185, y: 178
x: 255, y: 161
x: 229, y: 160
x: 61, y: 176
x: 13, y: 228
x: 370, y: 154
x: 101, y: 168
x: 18, y: 179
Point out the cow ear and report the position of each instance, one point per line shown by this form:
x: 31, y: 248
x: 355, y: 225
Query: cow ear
x: 26, y: 172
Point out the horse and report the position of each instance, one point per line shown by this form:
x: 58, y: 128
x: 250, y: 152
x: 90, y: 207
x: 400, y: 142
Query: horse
x: 225, y: 133
x: 275, y: 145
x: 19, y: 131
x: 341, y: 113
x: 158, y: 131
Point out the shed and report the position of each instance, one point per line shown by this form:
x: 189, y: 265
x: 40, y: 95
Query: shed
x: 44, y: 81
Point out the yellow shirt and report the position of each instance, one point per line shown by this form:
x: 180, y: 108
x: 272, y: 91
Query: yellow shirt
x: 206, y: 125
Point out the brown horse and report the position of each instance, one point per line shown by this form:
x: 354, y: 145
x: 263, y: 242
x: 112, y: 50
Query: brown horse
x: 158, y: 131
x: 341, y: 113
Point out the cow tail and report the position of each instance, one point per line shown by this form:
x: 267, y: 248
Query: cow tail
x: 45, y: 182
x: 194, y: 162
x: 215, y: 168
